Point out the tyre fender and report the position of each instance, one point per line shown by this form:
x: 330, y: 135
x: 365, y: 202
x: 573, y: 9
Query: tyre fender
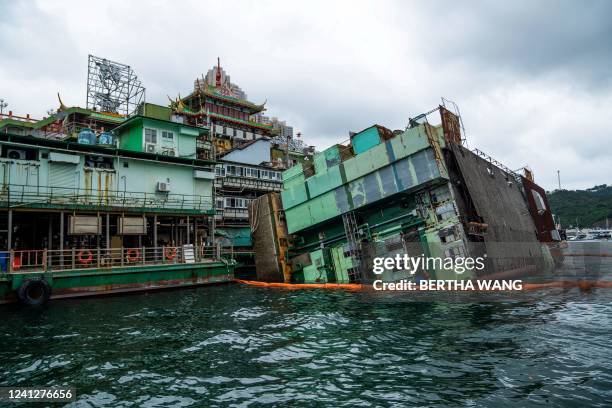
x: 34, y: 291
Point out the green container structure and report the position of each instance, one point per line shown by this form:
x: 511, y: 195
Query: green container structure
x: 392, y: 195
x: 133, y: 213
x: 365, y: 140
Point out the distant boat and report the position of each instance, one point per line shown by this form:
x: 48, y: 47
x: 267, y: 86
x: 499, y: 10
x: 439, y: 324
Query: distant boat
x: 589, y: 234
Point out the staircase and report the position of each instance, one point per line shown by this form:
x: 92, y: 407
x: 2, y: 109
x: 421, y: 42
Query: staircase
x: 352, y: 237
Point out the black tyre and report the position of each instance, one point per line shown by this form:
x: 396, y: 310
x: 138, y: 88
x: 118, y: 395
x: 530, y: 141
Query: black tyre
x: 34, y: 292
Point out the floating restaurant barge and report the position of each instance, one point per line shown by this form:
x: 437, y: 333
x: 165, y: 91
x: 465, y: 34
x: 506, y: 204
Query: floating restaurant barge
x: 417, y: 191
x: 125, y: 195
x: 98, y: 203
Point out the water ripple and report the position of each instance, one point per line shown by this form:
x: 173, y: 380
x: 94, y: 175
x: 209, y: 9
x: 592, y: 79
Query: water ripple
x: 241, y: 346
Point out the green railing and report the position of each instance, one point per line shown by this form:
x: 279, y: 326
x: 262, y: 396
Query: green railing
x: 16, y: 195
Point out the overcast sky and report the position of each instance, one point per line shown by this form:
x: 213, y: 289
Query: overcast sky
x: 533, y: 80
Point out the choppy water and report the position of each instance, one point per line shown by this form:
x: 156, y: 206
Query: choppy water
x: 234, y: 345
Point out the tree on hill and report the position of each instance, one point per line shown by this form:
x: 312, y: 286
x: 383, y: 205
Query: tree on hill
x: 583, y: 208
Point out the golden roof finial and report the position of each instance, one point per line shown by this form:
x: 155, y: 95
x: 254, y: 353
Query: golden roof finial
x: 62, y: 107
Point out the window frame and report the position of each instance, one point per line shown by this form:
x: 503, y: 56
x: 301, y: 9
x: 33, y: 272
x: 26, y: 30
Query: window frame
x: 165, y: 137
x: 154, y: 134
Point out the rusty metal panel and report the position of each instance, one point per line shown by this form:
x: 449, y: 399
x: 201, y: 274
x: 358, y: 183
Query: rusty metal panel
x: 539, y: 209
x: 450, y: 125
x: 270, y: 240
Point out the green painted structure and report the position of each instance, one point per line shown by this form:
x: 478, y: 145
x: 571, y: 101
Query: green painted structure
x: 143, y: 191
x: 153, y: 131
x: 401, y: 164
x: 417, y: 192
x: 91, y: 282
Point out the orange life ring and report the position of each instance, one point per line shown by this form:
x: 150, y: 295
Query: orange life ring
x: 133, y: 255
x: 170, y: 253
x: 84, y: 260
x: 17, y: 262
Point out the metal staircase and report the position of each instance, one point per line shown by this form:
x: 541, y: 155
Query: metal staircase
x: 354, y: 244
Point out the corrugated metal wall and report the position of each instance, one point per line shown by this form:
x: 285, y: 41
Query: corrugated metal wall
x: 62, y: 178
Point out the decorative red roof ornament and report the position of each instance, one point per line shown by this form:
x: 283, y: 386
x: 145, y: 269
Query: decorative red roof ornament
x: 218, y: 76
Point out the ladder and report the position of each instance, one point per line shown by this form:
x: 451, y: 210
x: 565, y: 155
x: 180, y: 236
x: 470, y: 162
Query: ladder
x: 352, y: 238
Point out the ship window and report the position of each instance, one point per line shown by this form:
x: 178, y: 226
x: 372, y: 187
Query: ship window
x: 150, y: 136
x: 236, y: 202
x: 167, y: 135
x: 251, y: 172
x: 99, y: 162
x: 455, y: 252
x: 447, y: 238
x: 445, y: 211
x: 439, y: 195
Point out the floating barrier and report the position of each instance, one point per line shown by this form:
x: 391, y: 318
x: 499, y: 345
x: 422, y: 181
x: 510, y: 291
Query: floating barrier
x: 297, y: 286
x: 583, y: 285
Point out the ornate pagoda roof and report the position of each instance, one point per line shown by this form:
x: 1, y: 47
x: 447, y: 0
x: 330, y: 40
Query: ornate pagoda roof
x: 209, y: 91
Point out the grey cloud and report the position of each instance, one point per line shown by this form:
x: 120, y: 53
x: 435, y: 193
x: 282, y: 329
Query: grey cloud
x: 535, y: 38
x: 532, y: 78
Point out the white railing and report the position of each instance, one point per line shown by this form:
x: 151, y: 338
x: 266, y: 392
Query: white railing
x: 37, y: 260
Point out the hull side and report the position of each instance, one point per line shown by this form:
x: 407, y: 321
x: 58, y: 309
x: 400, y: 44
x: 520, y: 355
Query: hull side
x: 93, y: 282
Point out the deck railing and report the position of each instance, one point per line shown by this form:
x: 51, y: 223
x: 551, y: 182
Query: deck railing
x: 16, y: 194
x: 43, y: 260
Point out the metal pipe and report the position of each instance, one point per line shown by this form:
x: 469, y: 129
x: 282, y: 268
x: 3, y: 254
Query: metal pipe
x: 188, y: 232
x: 50, y: 236
x: 9, y: 238
x: 61, y: 239
x: 155, y: 230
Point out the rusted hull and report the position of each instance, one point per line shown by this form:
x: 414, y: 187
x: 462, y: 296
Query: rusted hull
x: 82, y: 283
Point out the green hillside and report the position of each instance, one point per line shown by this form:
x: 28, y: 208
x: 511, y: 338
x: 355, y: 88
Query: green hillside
x: 590, y: 206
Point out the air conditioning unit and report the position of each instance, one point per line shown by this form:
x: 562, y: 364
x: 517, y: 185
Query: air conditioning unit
x: 150, y: 147
x: 16, y: 154
x: 163, y: 186
x: 169, y: 152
